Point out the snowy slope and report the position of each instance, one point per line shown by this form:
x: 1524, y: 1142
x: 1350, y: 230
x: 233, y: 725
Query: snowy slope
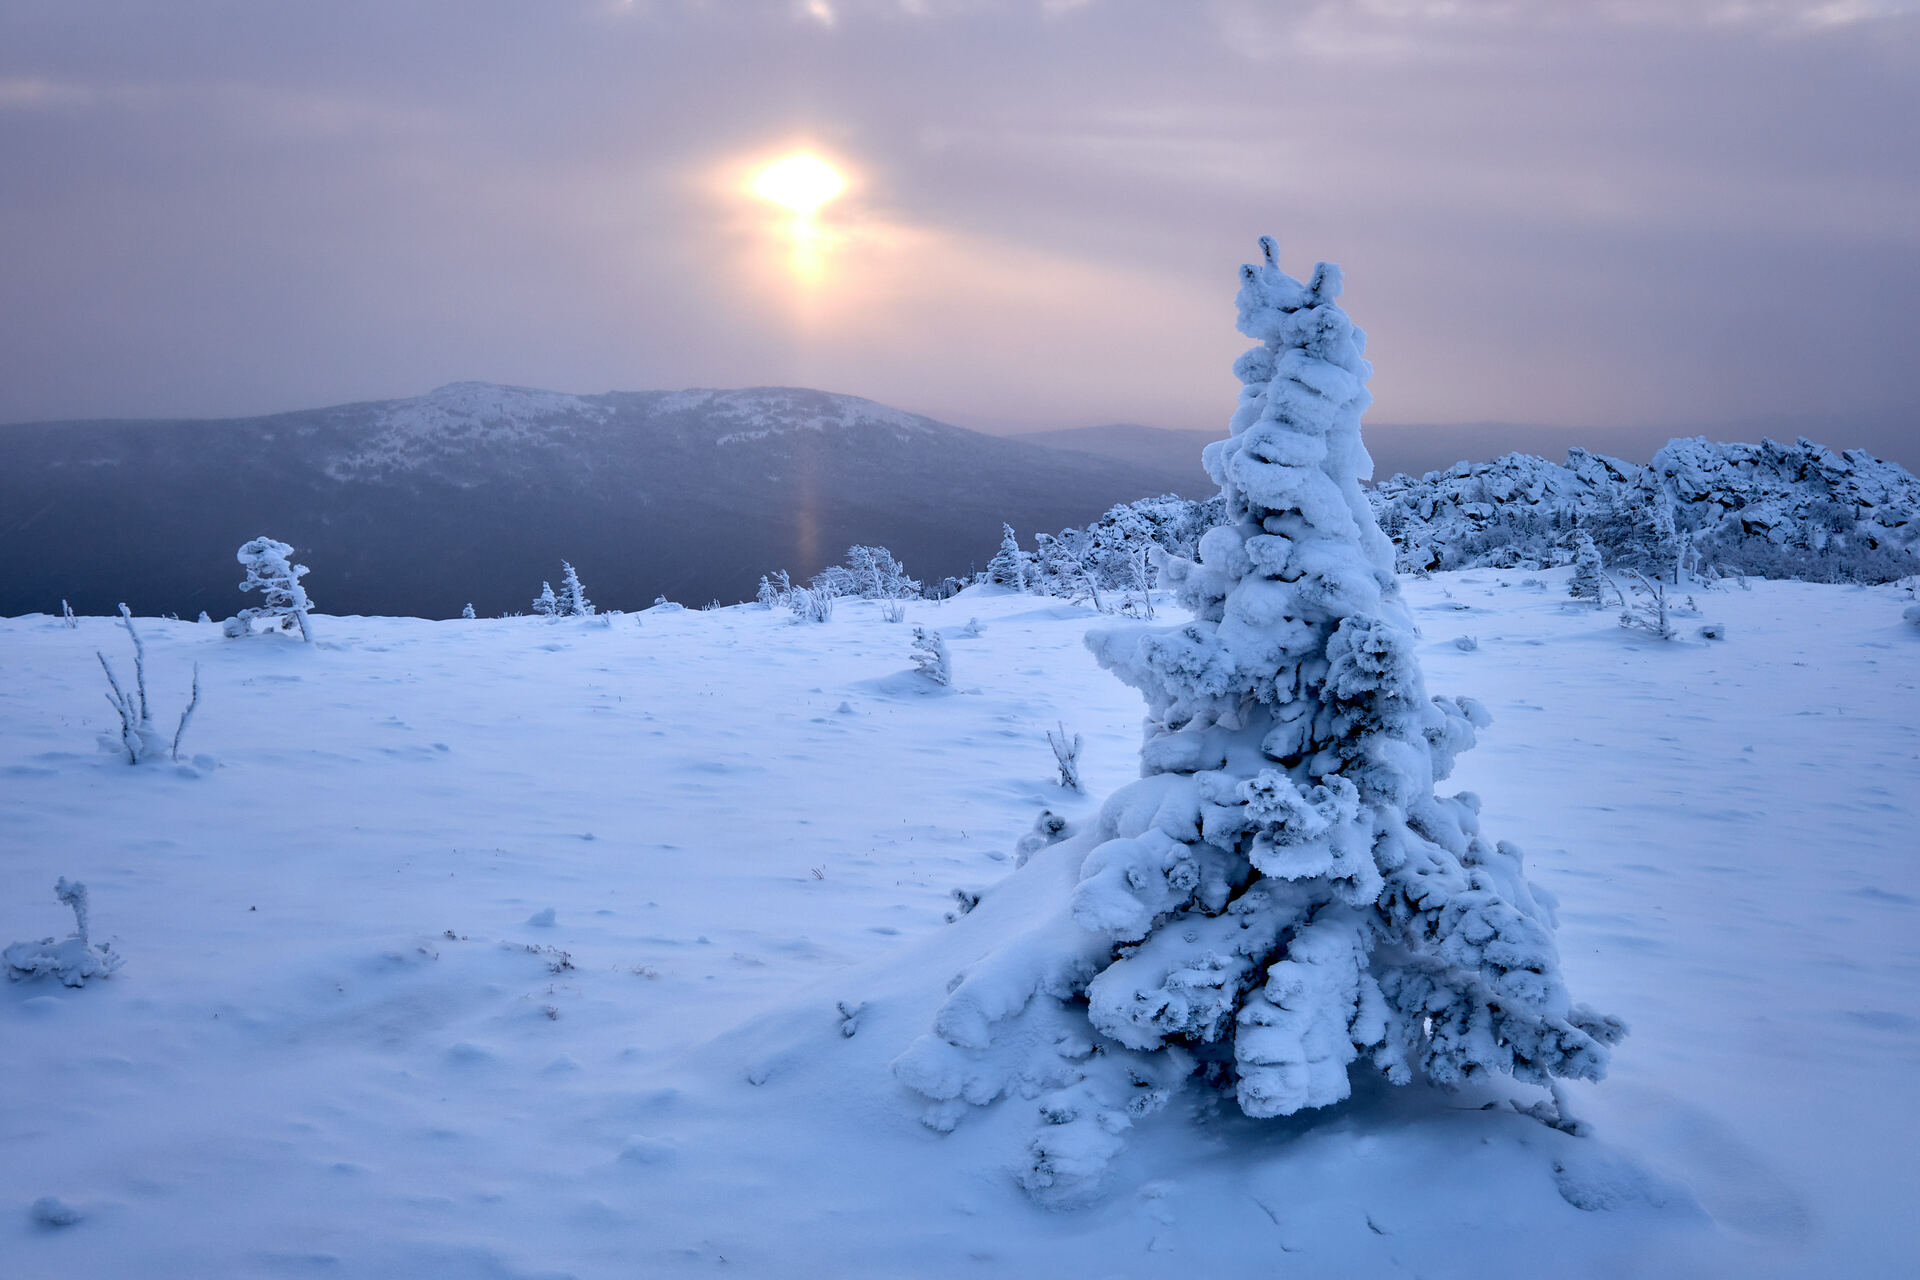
x: 741, y: 824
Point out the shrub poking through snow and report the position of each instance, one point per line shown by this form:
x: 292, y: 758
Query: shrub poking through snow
x: 1649, y: 609
x: 1066, y: 754
x: 138, y: 736
x: 1282, y: 897
x: 271, y: 572
x: 930, y: 656
x: 893, y: 611
x: 74, y: 960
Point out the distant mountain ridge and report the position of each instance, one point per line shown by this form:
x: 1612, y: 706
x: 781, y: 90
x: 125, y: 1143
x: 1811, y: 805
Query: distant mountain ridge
x: 474, y: 492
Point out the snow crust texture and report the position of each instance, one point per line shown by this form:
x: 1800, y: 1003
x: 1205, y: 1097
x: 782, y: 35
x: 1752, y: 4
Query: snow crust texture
x: 1282, y: 896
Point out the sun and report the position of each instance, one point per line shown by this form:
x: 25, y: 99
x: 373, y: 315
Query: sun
x: 801, y: 182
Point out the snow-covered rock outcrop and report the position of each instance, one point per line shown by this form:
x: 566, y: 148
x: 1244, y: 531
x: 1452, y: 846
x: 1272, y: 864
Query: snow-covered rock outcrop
x: 1783, y: 511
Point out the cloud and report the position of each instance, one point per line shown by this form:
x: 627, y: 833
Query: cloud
x: 1562, y: 213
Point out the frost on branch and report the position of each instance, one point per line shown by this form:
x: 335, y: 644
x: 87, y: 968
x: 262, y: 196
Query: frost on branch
x: 1282, y: 898
x: 139, y: 737
x: 74, y: 960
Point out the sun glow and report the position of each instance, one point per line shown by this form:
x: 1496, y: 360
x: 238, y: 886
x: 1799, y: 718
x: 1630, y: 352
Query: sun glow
x: 800, y: 182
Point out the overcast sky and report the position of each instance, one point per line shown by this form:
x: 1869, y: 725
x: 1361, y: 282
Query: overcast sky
x: 1642, y: 212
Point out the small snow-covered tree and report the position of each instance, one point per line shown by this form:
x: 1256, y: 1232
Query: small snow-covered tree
x: 1009, y: 565
x: 930, y: 657
x: 1588, y: 574
x: 1282, y: 897
x: 73, y: 961
x: 468, y: 612
x: 546, y: 604
x: 271, y: 572
x: 572, y: 601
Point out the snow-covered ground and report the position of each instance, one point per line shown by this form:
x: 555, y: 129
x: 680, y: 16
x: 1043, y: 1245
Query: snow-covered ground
x: 349, y: 1039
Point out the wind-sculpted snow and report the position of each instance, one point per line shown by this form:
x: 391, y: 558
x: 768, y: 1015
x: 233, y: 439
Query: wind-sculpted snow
x: 1283, y: 895
x: 1779, y: 511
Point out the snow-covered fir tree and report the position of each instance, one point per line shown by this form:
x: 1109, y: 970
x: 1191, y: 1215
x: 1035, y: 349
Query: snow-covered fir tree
x: 1282, y: 897
x: 572, y: 601
x: 930, y: 657
x: 1008, y: 567
x: 271, y: 572
x: 468, y: 611
x: 1588, y: 573
x: 546, y: 604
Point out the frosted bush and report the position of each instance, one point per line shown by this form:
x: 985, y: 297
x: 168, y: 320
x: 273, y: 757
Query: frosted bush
x: 1282, y: 898
x: 74, y: 960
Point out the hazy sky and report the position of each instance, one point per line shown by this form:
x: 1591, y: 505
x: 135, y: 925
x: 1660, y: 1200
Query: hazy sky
x: 1643, y: 211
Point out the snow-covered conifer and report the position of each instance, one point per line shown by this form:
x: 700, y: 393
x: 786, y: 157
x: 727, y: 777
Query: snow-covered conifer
x: 468, y: 611
x: 1585, y: 583
x: 1282, y: 896
x: 1009, y: 565
x: 271, y: 572
x: 930, y: 656
x: 546, y: 604
x: 572, y: 601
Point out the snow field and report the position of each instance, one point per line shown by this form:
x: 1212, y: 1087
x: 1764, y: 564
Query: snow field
x: 298, y: 1070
